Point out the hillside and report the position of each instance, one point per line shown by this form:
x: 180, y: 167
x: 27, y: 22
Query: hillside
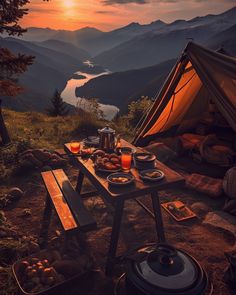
x: 50, y: 70
x: 225, y: 39
x: 122, y: 87
x: 65, y: 47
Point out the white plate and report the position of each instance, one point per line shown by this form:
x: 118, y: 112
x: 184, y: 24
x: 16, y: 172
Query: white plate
x: 130, y: 178
x: 145, y: 177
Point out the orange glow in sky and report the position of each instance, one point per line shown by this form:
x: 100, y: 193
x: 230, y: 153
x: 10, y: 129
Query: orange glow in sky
x: 109, y: 14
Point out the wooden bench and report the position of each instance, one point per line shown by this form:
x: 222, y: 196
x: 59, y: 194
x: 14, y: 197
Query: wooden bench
x: 67, y: 203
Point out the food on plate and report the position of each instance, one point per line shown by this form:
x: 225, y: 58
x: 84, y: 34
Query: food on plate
x: 119, y: 179
x: 153, y: 174
x: 109, y: 166
x: 98, y: 153
x: 106, y: 161
x: 115, y: 160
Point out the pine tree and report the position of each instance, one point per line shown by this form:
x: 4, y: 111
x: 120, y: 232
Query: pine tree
x: 11, y: 65
x: 59, y: 107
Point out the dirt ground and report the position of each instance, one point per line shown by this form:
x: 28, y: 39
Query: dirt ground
x: 206, y: 244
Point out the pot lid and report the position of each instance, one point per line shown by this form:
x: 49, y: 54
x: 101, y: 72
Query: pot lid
x: 106, y: 129
x: 169, y: 271
x: 145, y: 157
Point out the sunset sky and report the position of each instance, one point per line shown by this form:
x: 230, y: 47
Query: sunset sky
x: 110, y: 14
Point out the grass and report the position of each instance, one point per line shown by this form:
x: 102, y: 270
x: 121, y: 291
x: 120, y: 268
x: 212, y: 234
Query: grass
x: 42, y: 131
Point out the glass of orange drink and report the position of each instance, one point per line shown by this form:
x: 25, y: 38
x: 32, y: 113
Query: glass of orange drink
x: 126, y: 159
x: 75, y: 147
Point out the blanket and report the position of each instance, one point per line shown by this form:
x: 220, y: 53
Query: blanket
x: 205, y: 184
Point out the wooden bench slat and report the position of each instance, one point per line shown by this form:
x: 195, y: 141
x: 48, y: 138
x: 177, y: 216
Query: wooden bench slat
x: 63, y: 211
x: 75, y: 203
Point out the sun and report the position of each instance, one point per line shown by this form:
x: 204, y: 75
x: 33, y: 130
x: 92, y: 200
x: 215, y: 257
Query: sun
x: 68, y: 3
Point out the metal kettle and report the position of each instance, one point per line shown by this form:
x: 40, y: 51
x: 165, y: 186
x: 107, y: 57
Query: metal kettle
x: 107, y: 139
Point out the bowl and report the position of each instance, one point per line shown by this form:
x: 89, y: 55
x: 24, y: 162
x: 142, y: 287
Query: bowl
x: 144, y: 160
x: 118, y: 179
x: 147, y: 174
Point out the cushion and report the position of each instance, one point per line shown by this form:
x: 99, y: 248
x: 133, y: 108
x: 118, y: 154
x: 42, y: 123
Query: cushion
x: 191, y: 141
x: 205, y: 184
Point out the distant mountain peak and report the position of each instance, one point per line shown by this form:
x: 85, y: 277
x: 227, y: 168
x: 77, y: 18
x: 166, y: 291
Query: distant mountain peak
x: 133, y: 25
x: 157, y: 22
x: 89, y: 29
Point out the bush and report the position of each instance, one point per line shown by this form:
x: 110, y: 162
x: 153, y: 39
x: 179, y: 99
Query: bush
x: 88, y: 125
x: 9, y: 157
x: 137, y: 109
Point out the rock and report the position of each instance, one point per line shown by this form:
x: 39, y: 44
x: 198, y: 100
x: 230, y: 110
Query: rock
x: 46, y: 168
x: 221, y: 220
x: 33, y: 247
x: 41, y: 155
x: 230, y: 206
x: 200, y: 208
x: 26, y: 212
x: 3, y: 234
x: 15, y: 193
x: 26, y: 163
x: 57, y: 162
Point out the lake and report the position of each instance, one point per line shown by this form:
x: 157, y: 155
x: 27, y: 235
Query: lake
x: 68, y: 94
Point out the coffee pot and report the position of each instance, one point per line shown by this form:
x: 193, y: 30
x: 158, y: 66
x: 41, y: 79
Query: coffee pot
x: 107, y: 139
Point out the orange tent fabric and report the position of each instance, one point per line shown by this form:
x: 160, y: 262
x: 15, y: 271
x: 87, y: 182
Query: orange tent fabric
x: 199, y: 75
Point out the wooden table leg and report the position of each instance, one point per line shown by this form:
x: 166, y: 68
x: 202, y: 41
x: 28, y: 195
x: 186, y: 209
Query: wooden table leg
x: 158, y: 217
x: 43, y: 235
x: 114, y: 237
x: 79, y: 182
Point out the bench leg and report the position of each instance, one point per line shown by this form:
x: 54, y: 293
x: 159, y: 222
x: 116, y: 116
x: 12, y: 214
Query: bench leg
x: 114, y: 237
x: 43, y: 236
x: 79, y: 182
x: 158, y: 217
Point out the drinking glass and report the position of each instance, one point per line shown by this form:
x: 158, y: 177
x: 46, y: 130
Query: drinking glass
x: 126, y: 158
x: 75, y: 146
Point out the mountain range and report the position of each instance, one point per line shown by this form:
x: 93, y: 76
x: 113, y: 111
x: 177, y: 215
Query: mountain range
x: 140, y: 57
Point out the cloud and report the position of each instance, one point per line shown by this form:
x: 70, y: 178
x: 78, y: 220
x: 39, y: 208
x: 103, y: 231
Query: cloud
x: 103, y: 12
x: 111, y: 2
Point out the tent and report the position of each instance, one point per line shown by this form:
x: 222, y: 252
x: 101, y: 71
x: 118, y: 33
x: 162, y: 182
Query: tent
x: 199, y: 76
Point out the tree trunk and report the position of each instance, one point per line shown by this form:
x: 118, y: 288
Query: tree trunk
x: 3, y: 129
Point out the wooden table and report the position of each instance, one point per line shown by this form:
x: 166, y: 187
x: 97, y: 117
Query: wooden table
x: 116, y: 196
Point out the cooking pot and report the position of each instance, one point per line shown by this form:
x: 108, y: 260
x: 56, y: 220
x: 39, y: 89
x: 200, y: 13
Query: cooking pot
x: 107, y: 139
x: 164, y: 270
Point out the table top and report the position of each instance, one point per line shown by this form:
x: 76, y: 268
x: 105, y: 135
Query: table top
x: 131, y: 191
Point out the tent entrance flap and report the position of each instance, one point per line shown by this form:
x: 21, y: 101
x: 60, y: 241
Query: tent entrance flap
x: 179, y: 103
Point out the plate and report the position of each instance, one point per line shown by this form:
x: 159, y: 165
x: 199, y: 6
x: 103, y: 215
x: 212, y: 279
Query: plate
x: 145, y: 177
x: 129, y: 177
x: 91, y: 141
x: 106, y: 171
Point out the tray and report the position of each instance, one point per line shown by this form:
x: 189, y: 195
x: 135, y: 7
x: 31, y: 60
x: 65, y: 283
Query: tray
x: 178, y: 204
x: 55, y: 289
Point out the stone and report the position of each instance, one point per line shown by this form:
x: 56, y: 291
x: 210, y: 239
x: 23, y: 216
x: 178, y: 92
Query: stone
x: 200, y: 208
x: 3, y: 234
x: 33, y: 247
x: 221, y: 220
x: 230, y: 206
x: 41, y: 155
x: 46, y: 168
x: 15, y: 193
x: 26, y: 212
